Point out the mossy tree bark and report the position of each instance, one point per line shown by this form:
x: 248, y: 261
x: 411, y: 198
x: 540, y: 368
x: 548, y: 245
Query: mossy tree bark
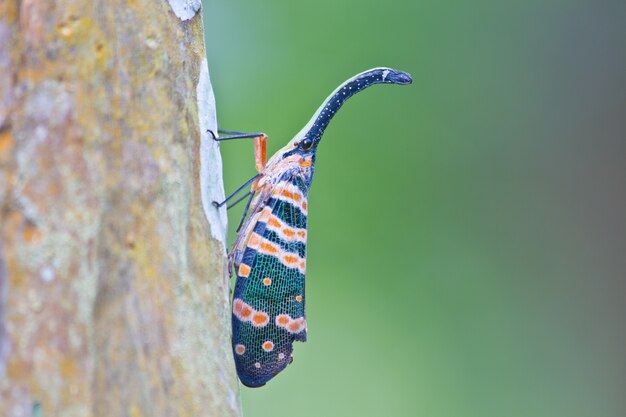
x: 113, y: 294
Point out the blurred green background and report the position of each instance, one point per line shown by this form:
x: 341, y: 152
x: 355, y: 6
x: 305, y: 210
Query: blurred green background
x: 467, y: 233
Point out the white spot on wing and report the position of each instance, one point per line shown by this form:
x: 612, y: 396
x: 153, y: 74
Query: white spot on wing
x: 385, y: 74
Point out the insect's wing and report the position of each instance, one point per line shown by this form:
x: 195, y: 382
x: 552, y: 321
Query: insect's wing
x: 268, y: 301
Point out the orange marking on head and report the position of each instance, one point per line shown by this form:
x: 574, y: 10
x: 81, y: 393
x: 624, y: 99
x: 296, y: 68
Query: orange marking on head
x: 305, y: 163
x: 244, y: 271
x: 268, y: 346
x: 291, y: 158
x: 267, y: 281
x: 282, y: 320
x: 269, y: 248
x: 260, y: 319
x: 299, y: 298
x: 240, y: 349
x: 254, y: 241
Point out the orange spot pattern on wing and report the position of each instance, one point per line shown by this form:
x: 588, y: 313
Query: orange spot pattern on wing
x: 238, y: 305
x: 289, y: 259
x: 282, y: 320
x: 301, y: 324
x: 290, y: 195
x: 255, y: 241
x: 293, y: 326
x: 289, y: 324
x: 245, y: 312
x: 284, y: 231
x: 268, y: 248
x: 292, y: 260
x: 260, y: 319
x: 242, y: 310
x: 244, y: 271
x: 265, y: 214
x: 274, y: 222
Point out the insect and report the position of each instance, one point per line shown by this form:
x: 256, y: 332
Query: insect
x: 269, y: 253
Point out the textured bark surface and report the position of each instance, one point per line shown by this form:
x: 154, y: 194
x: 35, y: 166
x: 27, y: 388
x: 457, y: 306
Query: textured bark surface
x: 113, y: 296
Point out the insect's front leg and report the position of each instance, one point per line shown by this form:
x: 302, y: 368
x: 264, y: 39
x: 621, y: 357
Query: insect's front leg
x: 260, y: 144
x: 260, y: 157
x: 237, y: 191
x: 231, y: 134
x: 260, y: 152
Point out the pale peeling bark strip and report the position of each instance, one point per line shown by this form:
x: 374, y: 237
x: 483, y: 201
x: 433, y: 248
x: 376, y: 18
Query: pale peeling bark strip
x: 211, y: 181
x: 185, y: 9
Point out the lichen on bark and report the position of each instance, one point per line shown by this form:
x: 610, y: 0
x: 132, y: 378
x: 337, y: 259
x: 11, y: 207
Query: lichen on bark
x: 113, y: 297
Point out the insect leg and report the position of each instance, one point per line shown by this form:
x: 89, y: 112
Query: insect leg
x: 260, y: 144
x: 247, y: 183
x: 245, y: 211
x: 260, y: 152
x: 239, y: 200
x: 234, y: 135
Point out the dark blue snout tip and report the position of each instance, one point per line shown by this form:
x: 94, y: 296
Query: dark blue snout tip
x: 398, y: 77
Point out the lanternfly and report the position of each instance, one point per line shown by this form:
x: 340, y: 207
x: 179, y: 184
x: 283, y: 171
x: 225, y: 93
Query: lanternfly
x: 269, y: 254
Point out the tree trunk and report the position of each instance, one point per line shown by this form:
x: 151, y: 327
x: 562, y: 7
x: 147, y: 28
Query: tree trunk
x: 113, y: 293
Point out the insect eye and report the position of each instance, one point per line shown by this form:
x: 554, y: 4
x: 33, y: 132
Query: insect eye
x: 306, y: 144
